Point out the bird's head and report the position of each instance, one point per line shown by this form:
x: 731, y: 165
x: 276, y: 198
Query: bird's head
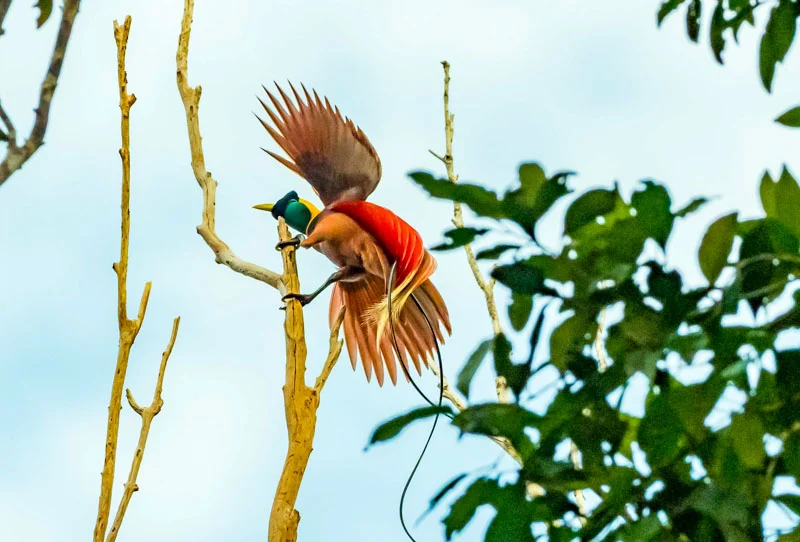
x: 296, y: 211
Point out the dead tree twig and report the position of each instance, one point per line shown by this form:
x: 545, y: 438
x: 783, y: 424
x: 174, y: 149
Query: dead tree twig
x: 128, y: 328
x: 17, y: 155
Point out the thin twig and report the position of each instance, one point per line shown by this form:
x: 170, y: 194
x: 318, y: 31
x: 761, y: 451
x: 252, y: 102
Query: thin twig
x: 334, y: 349
x: 18, y: 155
x: 4, y: 5
x: 207, y: 228
x: 147, y: 414
x: 486, y: 286
x: 11, y: 132
x: 128, y: 329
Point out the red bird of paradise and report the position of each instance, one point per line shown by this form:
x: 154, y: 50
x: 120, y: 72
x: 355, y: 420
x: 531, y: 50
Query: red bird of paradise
x: 362, y: 239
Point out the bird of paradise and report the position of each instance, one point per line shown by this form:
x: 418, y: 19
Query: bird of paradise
x: 376, y: 251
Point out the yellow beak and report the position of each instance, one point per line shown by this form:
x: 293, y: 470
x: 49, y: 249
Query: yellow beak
x: 264, y: 207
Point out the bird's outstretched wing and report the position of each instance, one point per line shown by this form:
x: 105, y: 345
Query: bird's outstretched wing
x: 326, y: 149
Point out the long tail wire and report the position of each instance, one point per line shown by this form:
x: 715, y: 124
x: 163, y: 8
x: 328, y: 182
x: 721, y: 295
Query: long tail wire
x: 400, y: 358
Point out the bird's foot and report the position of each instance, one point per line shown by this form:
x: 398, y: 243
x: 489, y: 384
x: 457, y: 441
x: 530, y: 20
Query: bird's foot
x: 302, y: 298
x: 293, y: 242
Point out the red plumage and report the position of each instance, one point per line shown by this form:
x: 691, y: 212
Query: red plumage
x: 401, y: 242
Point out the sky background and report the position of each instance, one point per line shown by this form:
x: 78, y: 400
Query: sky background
x: 590, y: 87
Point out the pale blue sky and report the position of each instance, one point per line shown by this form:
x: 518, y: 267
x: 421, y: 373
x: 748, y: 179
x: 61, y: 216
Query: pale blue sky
x: 590, y: 87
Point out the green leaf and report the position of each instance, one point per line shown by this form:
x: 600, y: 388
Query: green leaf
x: 471, y: 367
x: 792, y: 501
x: 660, y: 434
x: 495, y: 252
x: 392, y: 428
x: 762, y: 281
x: 459, y: 237
x: 507, y: 420
x: 588, y: 207
x: 535, y: 196
x: 724, y: 507
x: 777, y: 39
x: 3, y: 136
x: 520, y: 310
x: 448, y: 487
x: 667, y: 7
x: 716, y: 246
x: 788, y: 374
x: 463, y: 509
x: 653, y: 208
x: 793, y: 536
x: 516, y: 375
x: 781, y: 199
x: 747, y: 434
x: 790, y: 118
x: 569, y: 338
x: 693, y: 20
x: 791, y: 454
x: 718, y: 26
x: 691, y: 207
x: 641, y: 531
x: 45, y: 9
x: 523, y: 278
x: 483, y: 202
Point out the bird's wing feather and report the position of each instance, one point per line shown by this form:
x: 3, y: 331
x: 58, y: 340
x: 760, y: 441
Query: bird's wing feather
x: 326, y: 149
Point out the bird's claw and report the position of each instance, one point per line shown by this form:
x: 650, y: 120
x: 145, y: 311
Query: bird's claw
x: 293, y: 242
x: 303, y: 299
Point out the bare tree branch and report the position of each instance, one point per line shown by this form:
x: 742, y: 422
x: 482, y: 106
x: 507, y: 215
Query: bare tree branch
x: 18, y: 155
x: 147, y: 414
x: 10, y: 134
x: 207, y: 229
x: 300, y: 400
x: 128, y: 329
x: 486, y: 286
x: 334, y: 349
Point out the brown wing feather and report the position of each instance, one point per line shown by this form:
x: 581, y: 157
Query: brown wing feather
x: 329, y: 151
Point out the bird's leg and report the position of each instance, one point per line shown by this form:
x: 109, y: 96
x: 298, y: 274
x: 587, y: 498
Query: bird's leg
x: 293, y: 242
x: 305, y: 299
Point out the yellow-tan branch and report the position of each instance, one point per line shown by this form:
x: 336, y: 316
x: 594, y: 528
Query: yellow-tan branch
x: 147, y: 414
x: 300, y: 400
x: 128, y: 328
x: 207, y: 228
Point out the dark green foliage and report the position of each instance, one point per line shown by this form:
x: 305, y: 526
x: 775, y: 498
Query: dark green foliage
x: 716, y: 246
x: 791, y: 118
x: 603, y: 265
x: 777, y: 39
x: 45, y: 9
x: 471, y: 367
x: 459, y: 237
x: 393, y: 427
x: 727, y: 18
